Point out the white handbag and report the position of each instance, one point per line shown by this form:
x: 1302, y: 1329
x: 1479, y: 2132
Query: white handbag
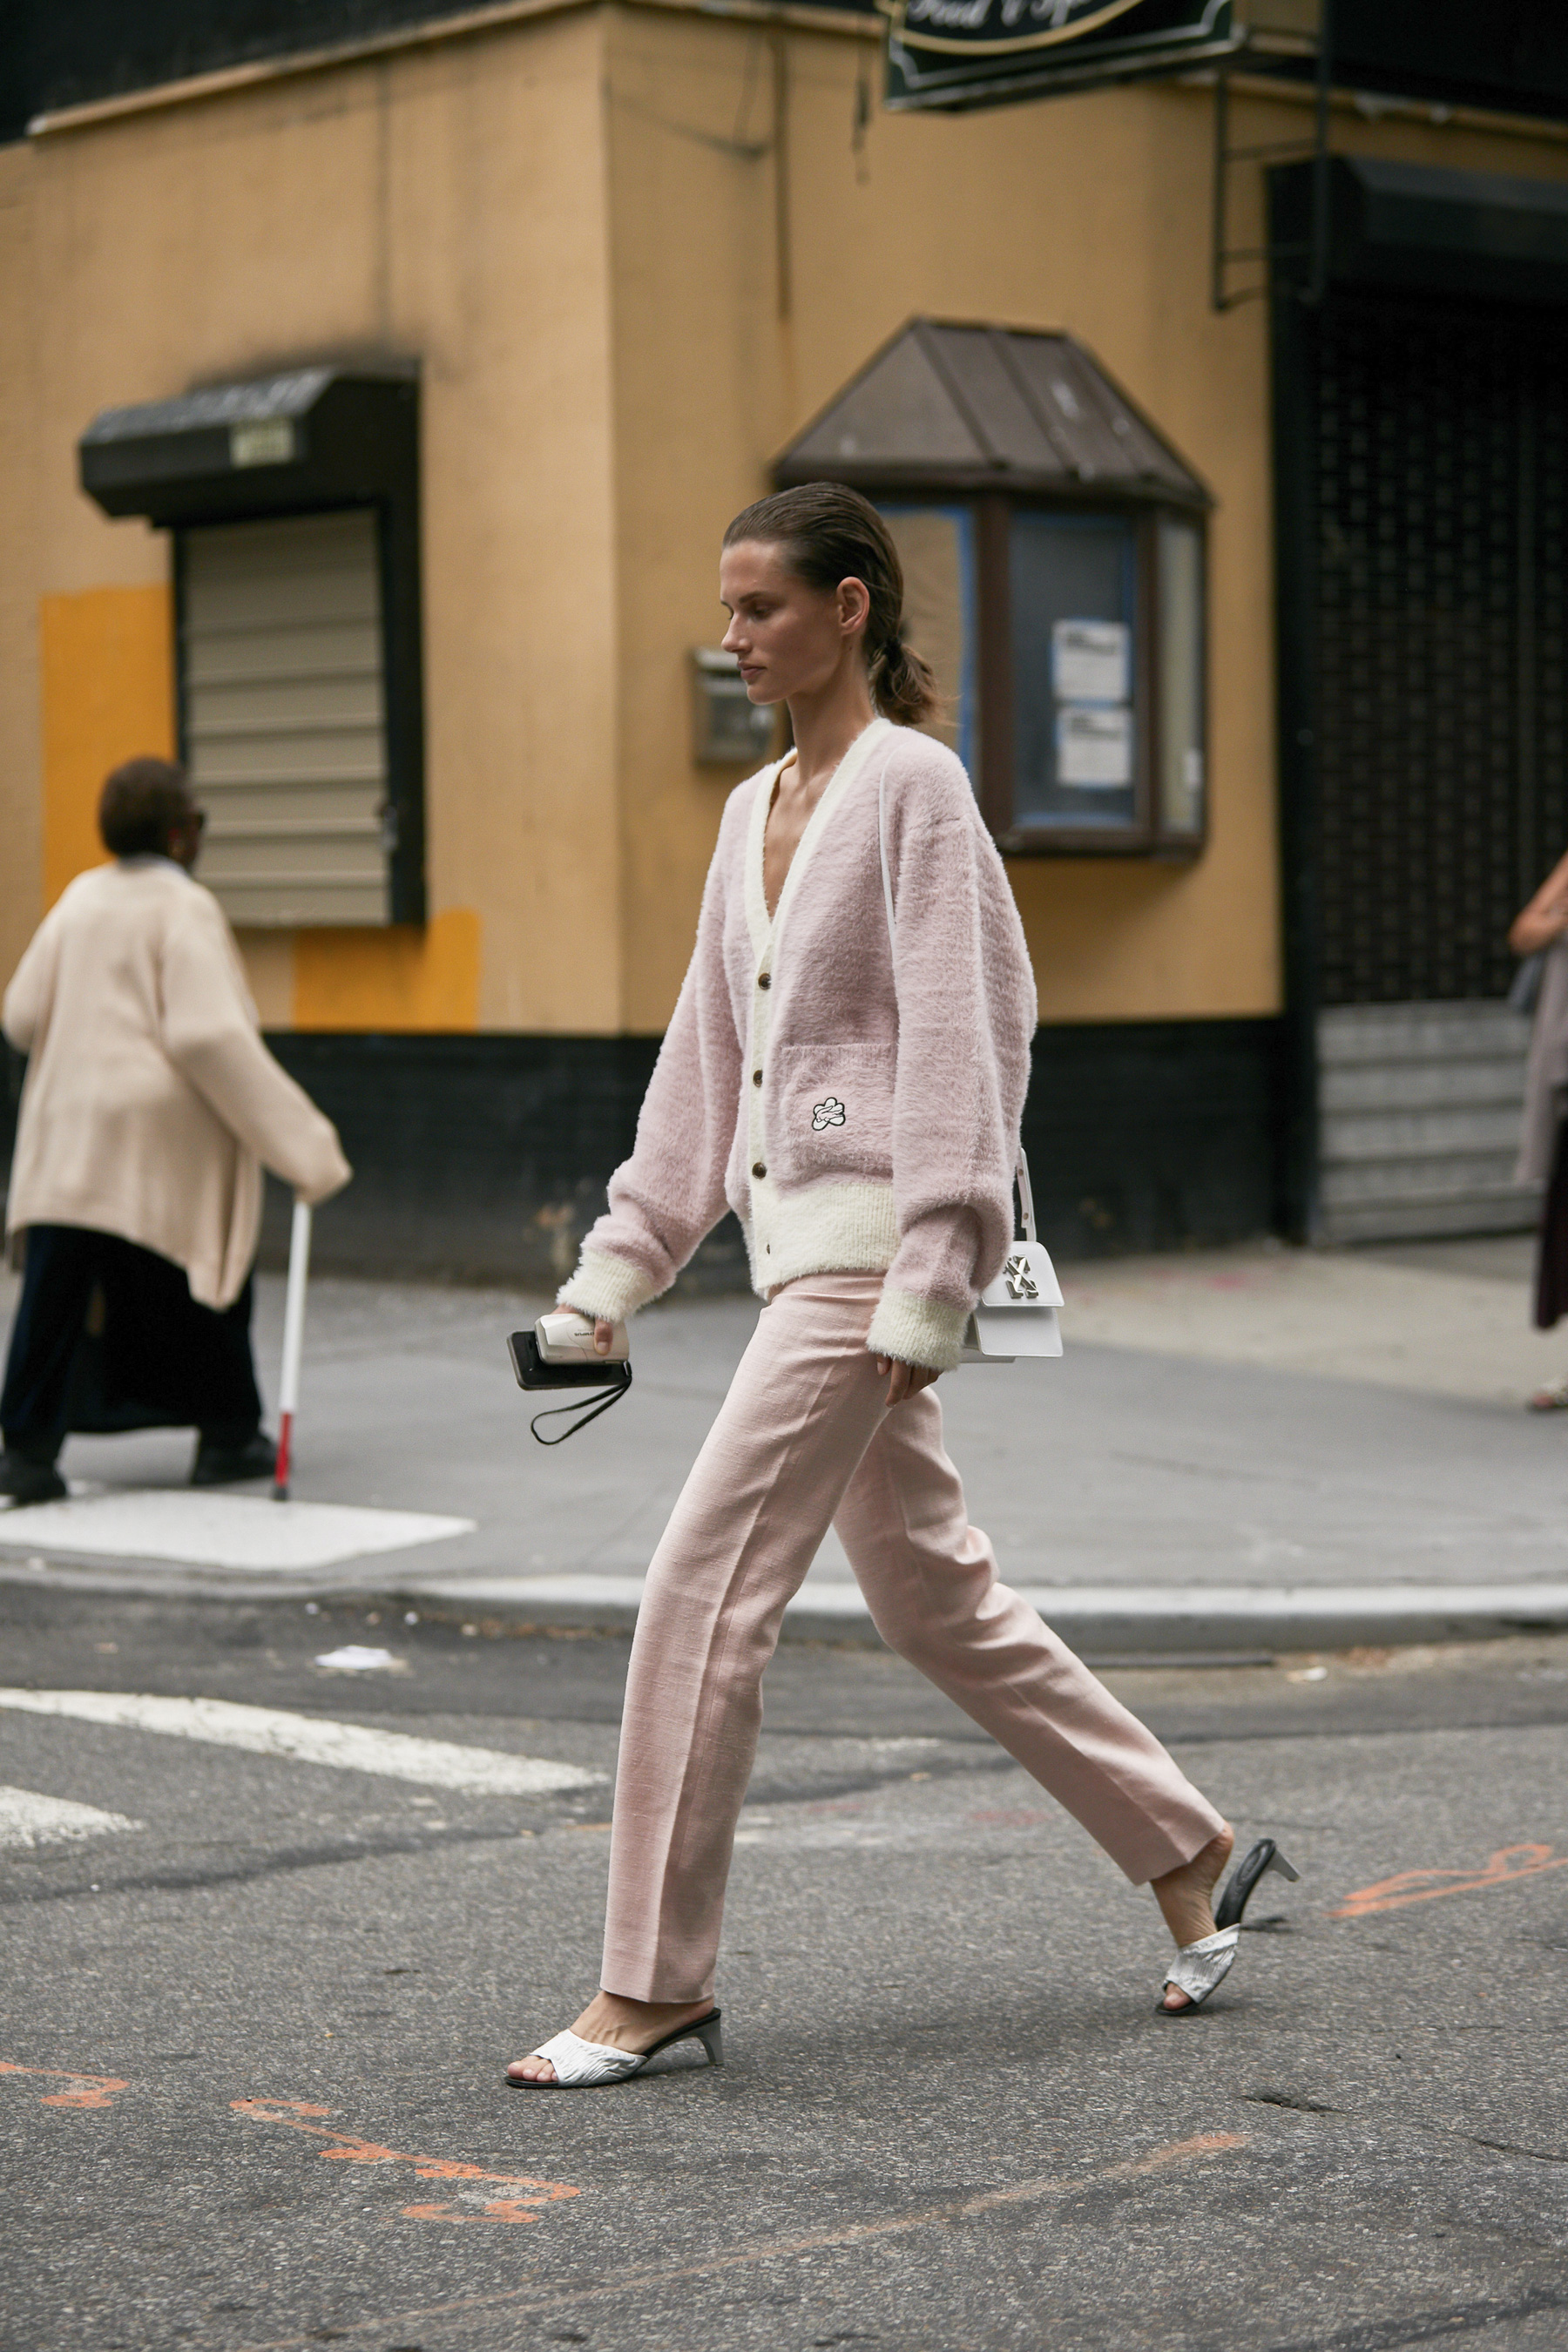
x: 1015, y: 1315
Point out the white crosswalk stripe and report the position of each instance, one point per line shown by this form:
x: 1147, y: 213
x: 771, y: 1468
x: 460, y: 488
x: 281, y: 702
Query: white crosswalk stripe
x: 30, y: 1818
x: 313, y: 1739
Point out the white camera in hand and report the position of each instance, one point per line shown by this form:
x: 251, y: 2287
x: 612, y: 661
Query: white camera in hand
x: 567, y: 1338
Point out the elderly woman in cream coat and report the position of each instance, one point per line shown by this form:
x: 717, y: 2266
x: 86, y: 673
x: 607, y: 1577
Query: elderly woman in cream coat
x: 150, y: 1108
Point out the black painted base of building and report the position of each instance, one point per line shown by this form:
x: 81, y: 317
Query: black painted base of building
x: 476, y: 1158
x: 484, y: 1159
x: 1155, y: 1135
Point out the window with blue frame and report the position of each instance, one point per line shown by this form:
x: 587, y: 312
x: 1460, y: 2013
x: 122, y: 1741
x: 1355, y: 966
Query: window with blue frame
x: 1070, y: 646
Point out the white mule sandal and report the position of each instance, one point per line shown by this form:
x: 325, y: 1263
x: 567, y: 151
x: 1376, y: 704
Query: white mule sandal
x: 1199, y: 1968
x: 583, y: 2065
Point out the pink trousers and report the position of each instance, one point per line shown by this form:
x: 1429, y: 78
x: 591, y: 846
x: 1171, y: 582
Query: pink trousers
x: 804, y: 1441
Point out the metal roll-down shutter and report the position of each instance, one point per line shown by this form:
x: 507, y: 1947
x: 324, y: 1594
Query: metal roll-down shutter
x: 282, y: 676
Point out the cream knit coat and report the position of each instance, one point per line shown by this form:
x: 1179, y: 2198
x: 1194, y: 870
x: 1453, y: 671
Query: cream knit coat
x: 151, y: 1103
x: 855, y: 1101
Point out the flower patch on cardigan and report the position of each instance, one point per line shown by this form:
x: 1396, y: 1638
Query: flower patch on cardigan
x: 826, y: 1114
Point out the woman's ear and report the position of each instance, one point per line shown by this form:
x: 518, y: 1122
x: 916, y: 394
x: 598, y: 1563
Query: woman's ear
x: 854, y: 606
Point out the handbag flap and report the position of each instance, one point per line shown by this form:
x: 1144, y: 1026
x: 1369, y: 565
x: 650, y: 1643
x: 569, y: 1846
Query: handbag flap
x: 1027, y: 1279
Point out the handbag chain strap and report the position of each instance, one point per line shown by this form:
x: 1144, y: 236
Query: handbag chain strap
x: 1020, y: 1173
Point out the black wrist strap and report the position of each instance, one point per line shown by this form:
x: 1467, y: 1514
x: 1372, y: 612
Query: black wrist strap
x: 585, y: 1414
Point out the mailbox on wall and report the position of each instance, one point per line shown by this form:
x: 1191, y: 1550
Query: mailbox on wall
x: 729, y: 730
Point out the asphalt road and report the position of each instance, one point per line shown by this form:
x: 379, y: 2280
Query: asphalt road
x: 252, y: 2045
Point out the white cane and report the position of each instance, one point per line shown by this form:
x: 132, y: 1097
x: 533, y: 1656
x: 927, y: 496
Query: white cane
x: 293, y: 1341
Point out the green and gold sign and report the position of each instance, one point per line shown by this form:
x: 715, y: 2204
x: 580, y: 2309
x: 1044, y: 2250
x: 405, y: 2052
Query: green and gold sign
x: 956, y: 53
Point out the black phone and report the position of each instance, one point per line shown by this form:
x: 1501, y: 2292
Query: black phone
x: 533, y: 1372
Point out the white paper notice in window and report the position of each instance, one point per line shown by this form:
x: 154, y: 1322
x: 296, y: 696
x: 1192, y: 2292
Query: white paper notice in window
x: 1094, y: 745
x: 1090, y: 660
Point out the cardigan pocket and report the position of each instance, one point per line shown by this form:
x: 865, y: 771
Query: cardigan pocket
x: 834, y: 1111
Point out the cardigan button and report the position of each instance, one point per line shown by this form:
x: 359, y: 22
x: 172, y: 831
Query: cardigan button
x: 756, y: 1078
x: 757, y: 1168
x: 765, y: 979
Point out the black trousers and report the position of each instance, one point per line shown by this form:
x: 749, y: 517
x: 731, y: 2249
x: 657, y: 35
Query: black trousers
x: 108, y: 1337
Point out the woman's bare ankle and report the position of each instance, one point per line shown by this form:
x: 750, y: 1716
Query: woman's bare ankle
x: 1186, y: 1895
x: 622, y: 2023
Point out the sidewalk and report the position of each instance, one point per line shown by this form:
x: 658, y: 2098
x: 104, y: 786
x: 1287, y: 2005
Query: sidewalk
x: 1258, y: 1449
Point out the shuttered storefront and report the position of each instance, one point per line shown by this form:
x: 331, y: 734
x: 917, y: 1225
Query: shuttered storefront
x: 1441, y: 610
x: 283, y: 703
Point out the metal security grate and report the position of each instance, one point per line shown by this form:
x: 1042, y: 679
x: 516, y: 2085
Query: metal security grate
x: 284, y: 706
x: 1442, y: 595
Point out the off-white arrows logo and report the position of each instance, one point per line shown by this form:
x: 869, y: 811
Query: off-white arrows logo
x: 1021, y: 1283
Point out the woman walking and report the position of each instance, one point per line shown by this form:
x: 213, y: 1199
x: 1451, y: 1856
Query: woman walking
x: 850, y: 1077
x: 150, y: 1109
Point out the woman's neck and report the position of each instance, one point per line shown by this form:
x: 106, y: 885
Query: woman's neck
x: 826, y: 723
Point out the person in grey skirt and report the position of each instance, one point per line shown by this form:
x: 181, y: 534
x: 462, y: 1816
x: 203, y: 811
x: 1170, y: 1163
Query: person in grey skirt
x: 1541, y: 931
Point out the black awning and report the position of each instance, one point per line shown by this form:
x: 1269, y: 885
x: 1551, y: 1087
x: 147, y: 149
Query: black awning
x: 959, y: 407
x: 1419, y: 226
x: 310, y: 436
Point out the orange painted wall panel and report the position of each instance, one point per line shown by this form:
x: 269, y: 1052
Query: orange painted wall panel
x: 399, y: 979
x: 107, y: 665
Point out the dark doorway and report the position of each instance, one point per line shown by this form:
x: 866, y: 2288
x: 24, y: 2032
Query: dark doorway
x: 1440, y: 578
x: 1422, y: 477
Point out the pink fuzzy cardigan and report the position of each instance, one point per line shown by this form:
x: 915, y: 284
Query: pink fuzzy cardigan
x: 855, y: 1102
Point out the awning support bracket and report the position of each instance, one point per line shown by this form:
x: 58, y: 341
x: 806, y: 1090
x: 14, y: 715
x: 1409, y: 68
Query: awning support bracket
x: 1223, y: 258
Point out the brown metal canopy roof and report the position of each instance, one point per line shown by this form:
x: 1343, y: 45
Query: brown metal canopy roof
x: 950, y: 405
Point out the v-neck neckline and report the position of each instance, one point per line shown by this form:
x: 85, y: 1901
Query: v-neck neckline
x: 763, y: 927
x: 790, y: 759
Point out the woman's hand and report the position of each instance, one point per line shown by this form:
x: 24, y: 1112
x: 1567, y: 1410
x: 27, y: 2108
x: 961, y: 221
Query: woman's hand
x: 604, y: 1336
x: 903, y: 1380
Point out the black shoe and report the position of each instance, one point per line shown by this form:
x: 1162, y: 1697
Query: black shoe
x: 232, y: 1465
x: 30, y: 1482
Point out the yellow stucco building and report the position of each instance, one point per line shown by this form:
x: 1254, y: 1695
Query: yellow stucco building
x: 608, y: 262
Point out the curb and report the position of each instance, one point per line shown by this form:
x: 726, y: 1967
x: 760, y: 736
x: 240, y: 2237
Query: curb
x: 1098, y: 1621
x: 1222, y: 1623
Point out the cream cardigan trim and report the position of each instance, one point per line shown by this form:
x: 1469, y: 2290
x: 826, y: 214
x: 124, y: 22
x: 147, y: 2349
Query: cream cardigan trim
x: 850, y: 1227
x: 789, y: 1234
x: 916, y: 1330
x: 843, y: 1228
x: 765, y: 929
x: 607, y: 1286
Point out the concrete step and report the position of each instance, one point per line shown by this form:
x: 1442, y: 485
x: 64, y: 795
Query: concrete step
x: 1420, y: 1109
x: 1349, y: 1087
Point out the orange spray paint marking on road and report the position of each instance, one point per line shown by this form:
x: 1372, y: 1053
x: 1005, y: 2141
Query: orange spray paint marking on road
x: 495, y: 2209
x: 347, y: 2147
x: 1508, y: 1863
x: 92, y: 2090
x: 1202, y: 2147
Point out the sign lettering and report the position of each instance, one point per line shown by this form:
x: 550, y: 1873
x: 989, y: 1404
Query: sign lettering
x: 958, y: 53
